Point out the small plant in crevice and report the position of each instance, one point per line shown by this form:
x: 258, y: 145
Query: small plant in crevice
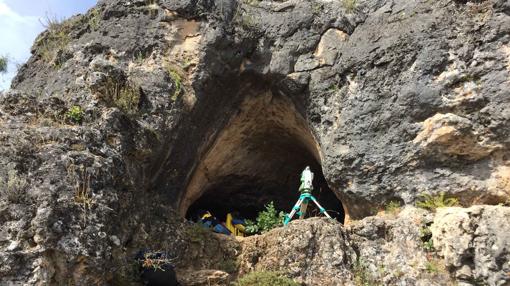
x: 83, y: 195
x: 362, y: 275
x: 265, y: 278
x: 155, y: 268
x: 334, y: 88
x: 13, y: 186
x: 431, y: 267
x: 139, y: 57
x: 432, y: 203
x: 176, y: 78
x: 266, y: 220
x: 392, y: 207
x: 349, y: 5
x: 122, y: 94
x: 428, y: 246
x: 81, y: 178
x: 426, y: 238
x: 435, y: 266
x: 75, y: 114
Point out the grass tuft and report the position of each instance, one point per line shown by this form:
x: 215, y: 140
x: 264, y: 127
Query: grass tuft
x: 393, y: 207
x: 123, y: 95
x: 432, y: 203
x: 55, y: 40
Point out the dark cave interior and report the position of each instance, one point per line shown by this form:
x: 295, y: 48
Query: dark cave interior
x: 257, y: 158
x: 248, y: 196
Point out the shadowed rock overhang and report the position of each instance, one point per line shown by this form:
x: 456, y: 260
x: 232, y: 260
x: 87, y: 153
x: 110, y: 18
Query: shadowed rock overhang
x: 258, y: 158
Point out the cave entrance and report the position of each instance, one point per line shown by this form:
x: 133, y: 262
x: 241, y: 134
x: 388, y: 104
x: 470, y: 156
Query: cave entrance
x: 257, y: 158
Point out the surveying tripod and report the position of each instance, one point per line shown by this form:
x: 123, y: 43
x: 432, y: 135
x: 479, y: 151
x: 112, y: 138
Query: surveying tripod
x: 301, y: 205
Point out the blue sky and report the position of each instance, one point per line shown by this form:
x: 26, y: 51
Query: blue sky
x: 20, y: 23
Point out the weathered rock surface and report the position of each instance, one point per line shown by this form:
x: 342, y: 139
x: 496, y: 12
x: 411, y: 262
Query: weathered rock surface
x: 391, y: 249
x: 392, y: 99
x: 470, y: 247
x: 315, y: 251
x: 475, y: 243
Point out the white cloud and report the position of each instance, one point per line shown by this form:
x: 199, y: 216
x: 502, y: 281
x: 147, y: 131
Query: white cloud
x: 17, y: 33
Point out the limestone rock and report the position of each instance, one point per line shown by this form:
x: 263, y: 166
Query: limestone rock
x: 452, y: 135
x: 475, y: 242
x: 179, y: 98
x: 391, y: 249
x: 313, y: 251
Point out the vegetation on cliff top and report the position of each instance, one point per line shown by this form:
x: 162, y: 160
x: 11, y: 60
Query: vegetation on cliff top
x: 3, y: 64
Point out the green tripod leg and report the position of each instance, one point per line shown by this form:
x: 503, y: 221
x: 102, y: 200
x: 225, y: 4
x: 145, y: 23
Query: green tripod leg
x: 321, y: 209
x: 301, y: 205
x: 288, y: 217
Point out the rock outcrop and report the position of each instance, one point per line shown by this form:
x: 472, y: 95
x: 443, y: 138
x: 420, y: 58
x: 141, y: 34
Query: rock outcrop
x: 475, y: 243
x: 120, y: 121
x: 411, y: 246
x: 314, y: 251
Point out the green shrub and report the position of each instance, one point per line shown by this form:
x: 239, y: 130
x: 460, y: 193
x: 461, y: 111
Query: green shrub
x: 251, y: 226
x: 3, y: 64
x: 266, y: 220
x: 393, y: 207
x: 75, y: 114
x: 432, y: 203
x: 265, y: 278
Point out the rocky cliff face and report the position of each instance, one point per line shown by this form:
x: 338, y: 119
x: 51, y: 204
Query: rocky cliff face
x: 125, y: 117
x: 456, y: 246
